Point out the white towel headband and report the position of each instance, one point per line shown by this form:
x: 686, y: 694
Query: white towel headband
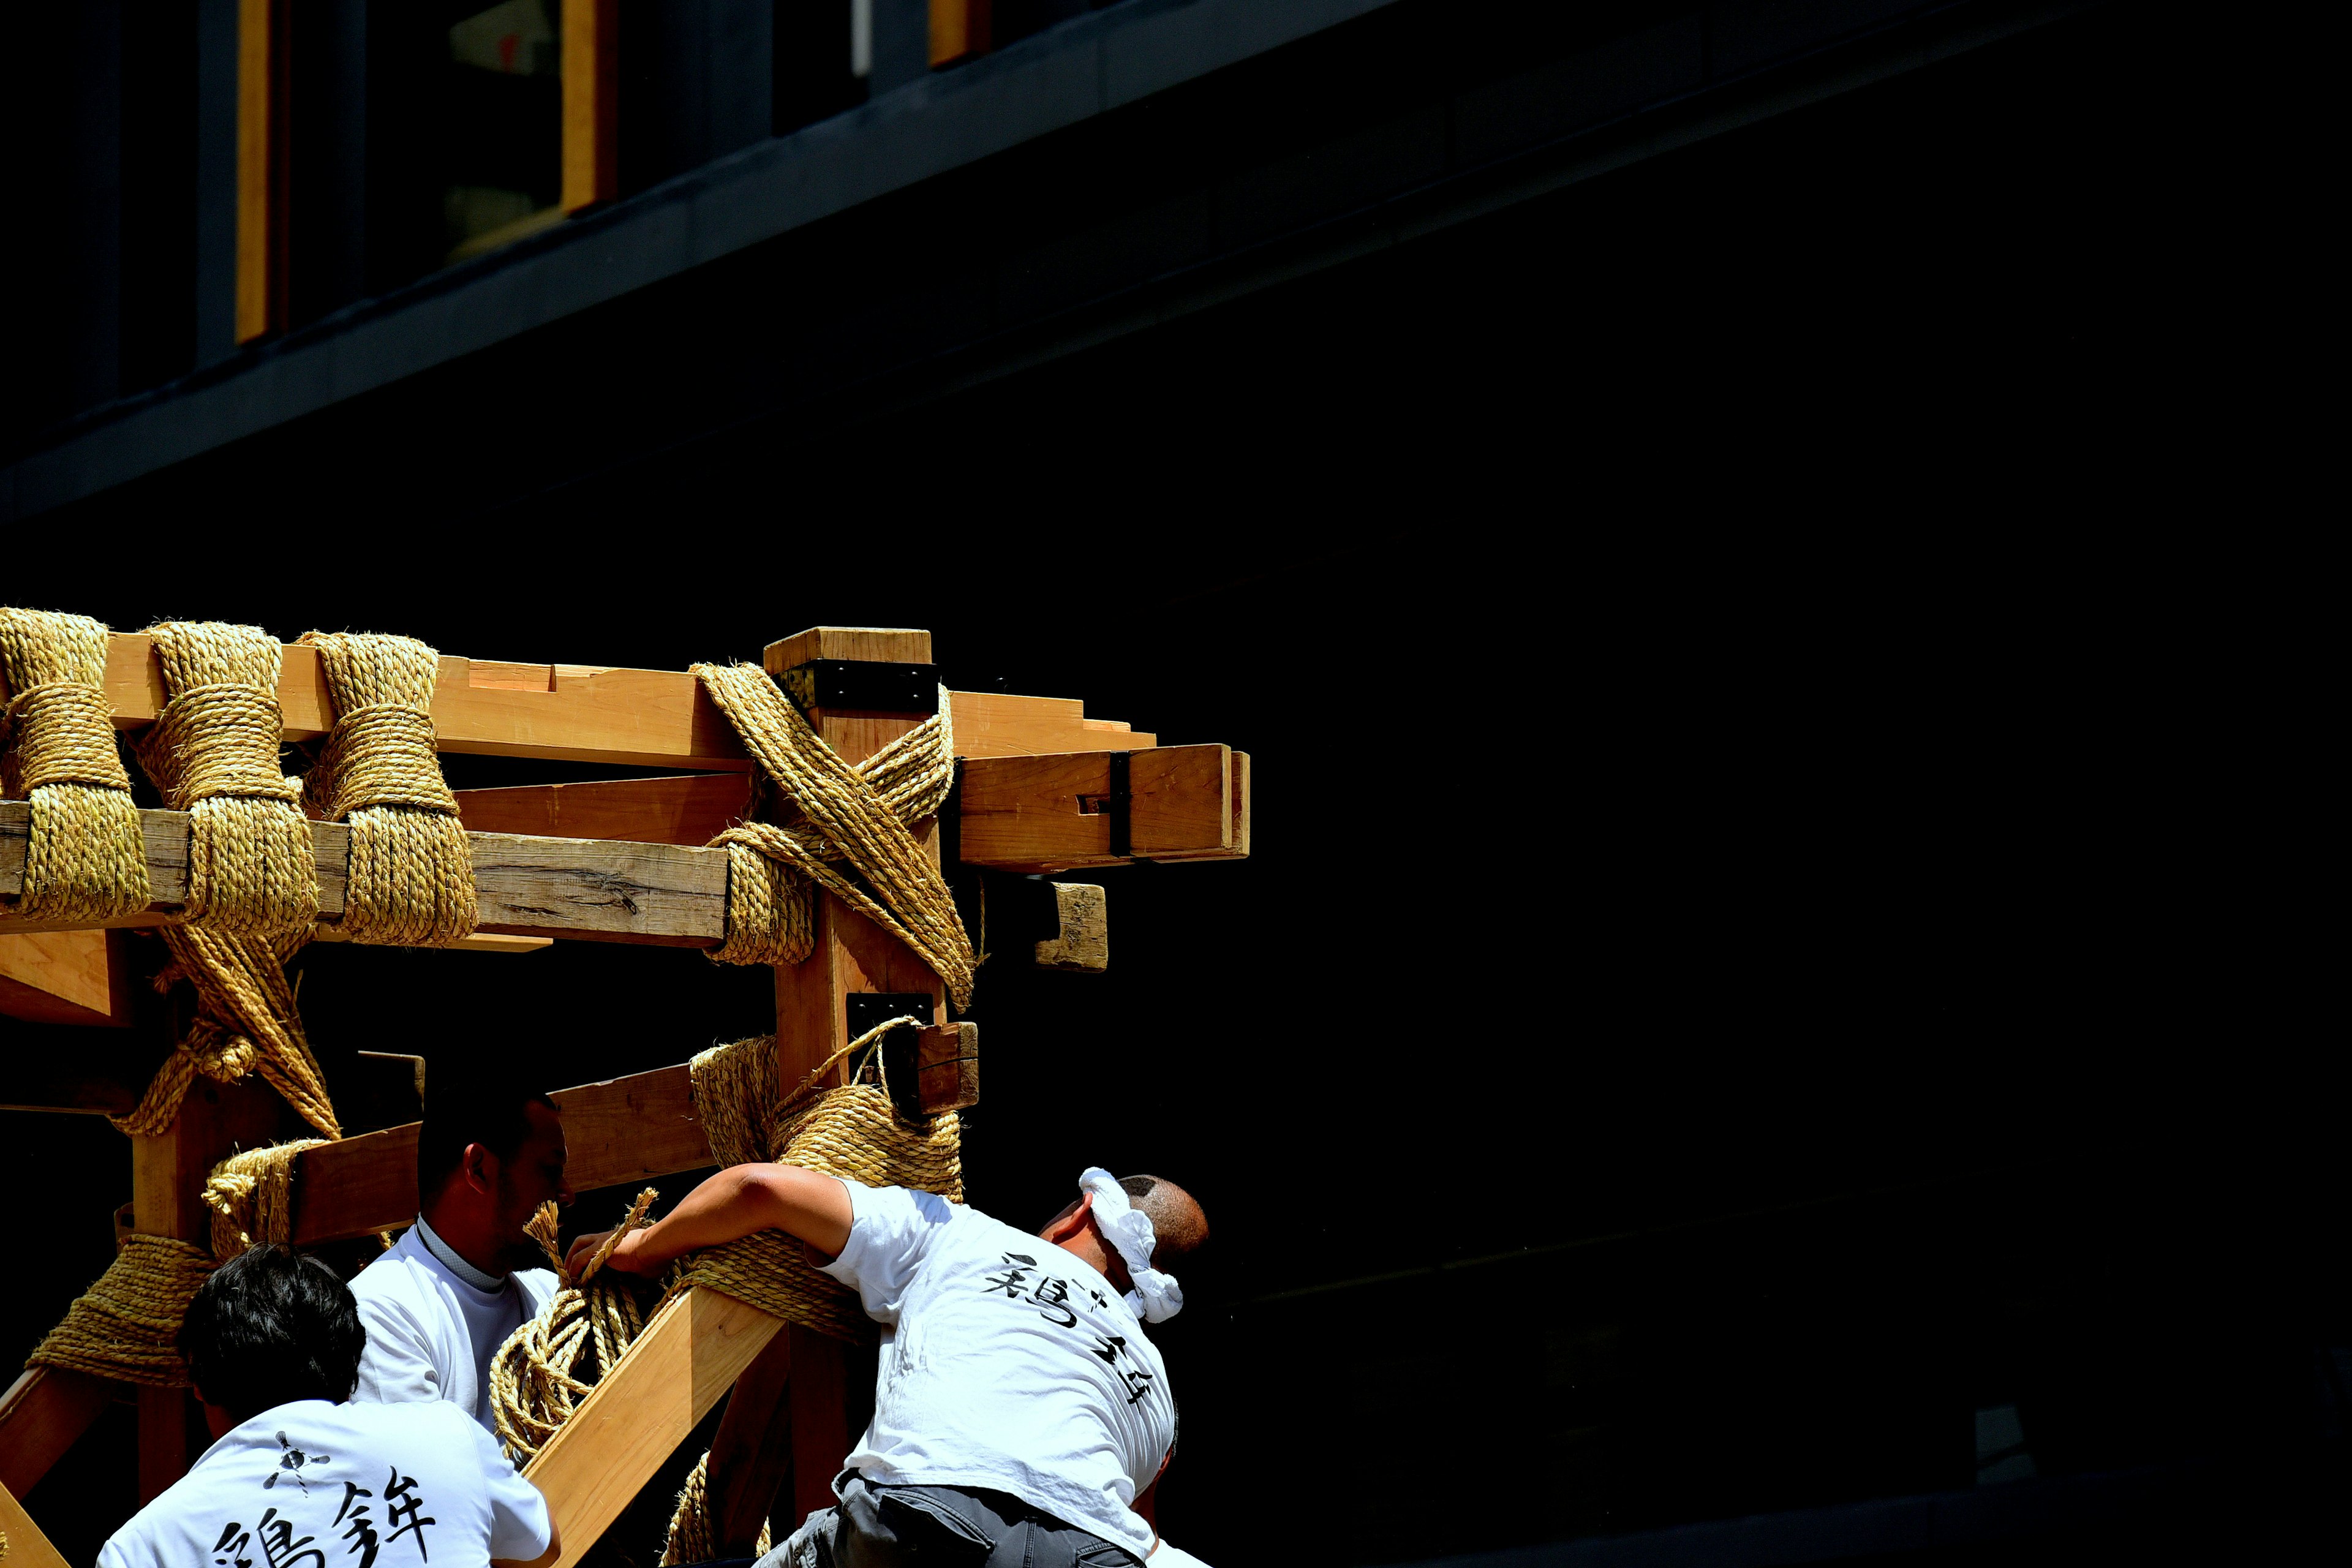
x: 1155, y: 1298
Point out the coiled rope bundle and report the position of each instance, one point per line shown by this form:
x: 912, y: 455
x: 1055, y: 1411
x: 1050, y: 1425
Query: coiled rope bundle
x: 860, y: 816
x: 212, y: 751
x: 411, y: 879
x: 85, y: 861
x: 552, y: 1361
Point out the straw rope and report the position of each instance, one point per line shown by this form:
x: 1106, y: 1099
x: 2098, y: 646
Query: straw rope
x: 858, y: 814
x: 245, y: 1021
x: 852, y: 1131
x: 85, y: 861
x: 688, y: 1540
x: 549, y: 1364
x: 212, y: 750
x: 411, y: 882
x: 124, y: 1326
x: 251, y: 1195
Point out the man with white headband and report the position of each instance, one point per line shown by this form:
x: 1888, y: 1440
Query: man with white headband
x: 1020, y: 1412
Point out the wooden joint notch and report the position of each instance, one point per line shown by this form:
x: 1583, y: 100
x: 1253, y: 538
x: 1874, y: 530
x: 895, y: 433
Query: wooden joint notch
x: 933, y: 1070
x: 1103, y: 808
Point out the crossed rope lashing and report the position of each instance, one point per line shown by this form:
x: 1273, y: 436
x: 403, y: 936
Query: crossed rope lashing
x: 860, y: 815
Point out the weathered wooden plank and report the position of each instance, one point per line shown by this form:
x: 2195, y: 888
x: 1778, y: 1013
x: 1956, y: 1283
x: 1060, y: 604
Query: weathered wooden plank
x: 1052, y: 813
x: 27, y: 1546
x: 1081, y: 942
x: 66, y: 977
x: 658, y: 893
x: 623, y: 1129
x: 645, y: 1406
x: 691, y: 808
x: 44, y: 1412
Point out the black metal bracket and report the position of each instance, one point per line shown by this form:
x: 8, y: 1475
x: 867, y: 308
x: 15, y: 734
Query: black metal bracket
x: 869, y: 1009
x: 864, y: 685
x: 1118, y: 805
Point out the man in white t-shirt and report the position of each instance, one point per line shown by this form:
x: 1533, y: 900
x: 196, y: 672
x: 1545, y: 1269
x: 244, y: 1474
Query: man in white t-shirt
x: 1020, y: 1407
x: 299, y: 1478
x: 438, y: 1305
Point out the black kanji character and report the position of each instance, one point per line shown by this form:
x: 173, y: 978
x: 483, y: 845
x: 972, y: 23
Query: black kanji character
x: 1101, y: 1301
x: 228, y: 1556
x: 1138, y: 1383
x: 1109, y: 1348
x: 279, y: 1546
x: 292, y: 1460
x: 361, y: 1534
x: 395, y: 1512
x: 1011, y: 1280
x: 1051, y: 1295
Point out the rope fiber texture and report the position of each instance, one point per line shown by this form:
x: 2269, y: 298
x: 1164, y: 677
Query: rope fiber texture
x: 125, y: 1325
x: 213, y: 753
x: 245, y: 1021
x: 546, y: 1367
x: 86, y: 860
x: 689, y: 1526
x: 852, y: 1131
x: 411, y: 880
x: 860, y: 815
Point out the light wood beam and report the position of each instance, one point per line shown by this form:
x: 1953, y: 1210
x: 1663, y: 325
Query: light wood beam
x: 167, y: 1181
x: 44, y: 1412
x: 644, y: 1407
x: 566, y: 712
x: 1057, y: 812
x: 693, y: 808
x: 28, y: 1547
x: 66, y: 977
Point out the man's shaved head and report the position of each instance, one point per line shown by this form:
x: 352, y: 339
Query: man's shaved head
x: 1176, y: 1223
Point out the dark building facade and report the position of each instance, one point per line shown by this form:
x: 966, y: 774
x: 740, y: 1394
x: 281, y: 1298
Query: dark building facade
x: 1713, y: 1059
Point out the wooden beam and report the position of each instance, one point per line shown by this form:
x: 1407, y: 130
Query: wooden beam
x: 644, y: 1407
x: 27, y: 1546
x: 1081, y: 942
x: 960, y: 30
x: 640, y: 718
x: 44, y: 1413
x: 591, y: 98
x: 167, y: 1183
x: 657, y: 893
x: 992, y: 724
x: 66, y: 977
x: 1055, y: 813
x: 692, y: 808
x: 623, y: 1129
x: 264, y: 58
x: 1240, y: 848
x: 751, y: 1452
x: 871, y: 645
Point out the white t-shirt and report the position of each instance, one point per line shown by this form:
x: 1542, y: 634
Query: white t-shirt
x: 430, y: 1333
x: 1007, y: 1365
x: 312, y: 1484
x: 1167, y: 1556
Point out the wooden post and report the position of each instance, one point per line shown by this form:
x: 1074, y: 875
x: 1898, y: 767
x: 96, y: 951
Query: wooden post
x: 263, y: 170
x: 167, y: 1184
x: 851, y: 955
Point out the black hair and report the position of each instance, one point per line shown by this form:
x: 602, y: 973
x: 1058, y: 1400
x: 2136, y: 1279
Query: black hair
x: 485, y: 1105
x: 269, y: 1327
x: 1177, y: 1222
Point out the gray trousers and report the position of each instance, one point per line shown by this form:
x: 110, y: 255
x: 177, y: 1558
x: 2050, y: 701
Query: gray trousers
x: 917, y: 1527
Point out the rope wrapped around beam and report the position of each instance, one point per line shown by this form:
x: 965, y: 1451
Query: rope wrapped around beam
x: 411, y: 879
x: 858, y: 814
x: 85, y: 861
x: 212, y: 750
x: 854, y: 1132
x: 126, y: 1325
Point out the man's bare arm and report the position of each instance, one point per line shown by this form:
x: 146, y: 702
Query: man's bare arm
x: 735, y: 1203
